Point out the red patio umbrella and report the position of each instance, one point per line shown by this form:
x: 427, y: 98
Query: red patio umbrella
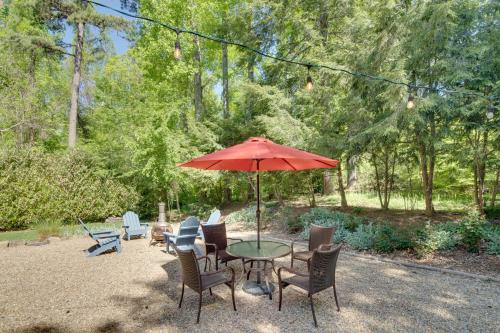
x: 259, y: 154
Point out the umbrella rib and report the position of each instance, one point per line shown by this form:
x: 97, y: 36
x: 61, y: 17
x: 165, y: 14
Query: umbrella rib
x: 334, y: 166
x: 213, y: 164
x: 284, y: 159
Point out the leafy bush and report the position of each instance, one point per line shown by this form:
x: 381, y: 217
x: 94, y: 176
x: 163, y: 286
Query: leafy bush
x: 247, y: 216
x: 340, y: 234
x: 57, y: 188
x: 291, y: 221
x: 492, y: 240
x: 471, y: 230
x: 436, y: 237
x: 363, y: 238
x: 388, y: 239
x: 326, y: 217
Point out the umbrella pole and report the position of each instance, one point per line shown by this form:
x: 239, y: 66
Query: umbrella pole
x: 257, y: 212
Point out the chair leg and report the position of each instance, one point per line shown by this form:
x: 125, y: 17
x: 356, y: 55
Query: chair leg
x: 199, y: 311
x: 244, y: 269
x: 232, y: 295
x: 291, y: 263
x: 206, y: 262
x: 312, y: 308
x: 182, y: 295
x: 281, y: 295
x: 168, y: 246
x: 335, y: 294
x: 210, y: 290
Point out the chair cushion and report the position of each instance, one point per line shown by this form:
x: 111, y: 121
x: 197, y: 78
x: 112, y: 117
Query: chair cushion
x: 212, y: 280
x: 299, y: 281
x: 304, y: 255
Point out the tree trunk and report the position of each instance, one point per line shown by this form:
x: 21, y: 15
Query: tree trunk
x: 480, y: 172
x: 426, y: 179
x: 377, y: 180
x: 75, y: 85
x: 313, y: 197
x: 352, y: 174
x: 323, y: 21
x: 495, y: 188
x: 327, y: 182
x: 198, y: 89
x: 225, y: 82
x: 343, y: 200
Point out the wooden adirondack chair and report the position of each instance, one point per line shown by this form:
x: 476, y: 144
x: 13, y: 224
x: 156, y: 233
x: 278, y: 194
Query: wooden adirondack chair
x: 105, y: 241
x: 214, y: 218
x: 186, y: 235
x: 133, y: 227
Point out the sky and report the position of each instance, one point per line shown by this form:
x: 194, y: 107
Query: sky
x: 121, y: 44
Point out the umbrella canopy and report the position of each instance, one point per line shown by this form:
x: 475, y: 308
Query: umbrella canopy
x: 259, y: 154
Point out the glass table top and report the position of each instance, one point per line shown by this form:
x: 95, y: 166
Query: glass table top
x: 249, y: 250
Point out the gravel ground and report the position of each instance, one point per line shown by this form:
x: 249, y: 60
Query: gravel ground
x: 56, y: 288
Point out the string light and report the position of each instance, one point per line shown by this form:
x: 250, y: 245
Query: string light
x: 305, y: 64
x: 177, y: 50
x: 490, y: 112
x: 309, y: 80
x: 410, y: 104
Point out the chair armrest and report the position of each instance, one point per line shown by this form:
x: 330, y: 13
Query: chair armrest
x: 169, y: 234
x: 209, y: 261
x: 235, y: 239
x: 215, y: 247
x: 108, y: 235
x: 125, y: 226
x: 103, y: 232
x: 291, y: 247
x: 144, y: 224
x: 290, y: 270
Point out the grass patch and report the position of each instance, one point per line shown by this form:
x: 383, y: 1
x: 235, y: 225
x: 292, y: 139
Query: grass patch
x: 63, y: 231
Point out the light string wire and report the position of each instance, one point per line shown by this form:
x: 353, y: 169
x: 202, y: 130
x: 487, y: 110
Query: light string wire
x: 308, y: 65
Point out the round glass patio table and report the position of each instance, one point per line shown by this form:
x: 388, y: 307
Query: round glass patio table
x: 250, y: 253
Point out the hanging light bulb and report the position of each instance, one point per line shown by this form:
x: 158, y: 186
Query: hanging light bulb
x: 177, y: 50
x: 491, y: 112
x: 309, y: 81
x: 410, y: 104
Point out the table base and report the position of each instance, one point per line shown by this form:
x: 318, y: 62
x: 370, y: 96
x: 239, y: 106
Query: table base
x: 257, y: 289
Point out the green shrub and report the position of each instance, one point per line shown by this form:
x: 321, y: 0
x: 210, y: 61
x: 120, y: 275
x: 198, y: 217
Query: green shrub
x: 326, y: 217
x: 436, y: 237
x: 471, y: 230
x: 363, y: 238
x: 39, y: 187
x: 291, y: 221
x: 388, y: 239
x: 492, y: 240
x: 340, y: 234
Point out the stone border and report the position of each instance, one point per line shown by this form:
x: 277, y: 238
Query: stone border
x: 407, y: 264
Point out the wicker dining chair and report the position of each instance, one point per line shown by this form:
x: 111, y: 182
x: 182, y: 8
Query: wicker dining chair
x: 317, y: 236
x: 216, y: 242
x: 200, y: 281
x: 320, y: 277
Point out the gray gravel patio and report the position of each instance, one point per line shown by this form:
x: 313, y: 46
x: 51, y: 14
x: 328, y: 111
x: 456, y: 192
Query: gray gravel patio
x: 56, y: 288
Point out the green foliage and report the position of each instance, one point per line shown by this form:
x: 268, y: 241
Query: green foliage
x: 388, y: 239
x: 290, y: 220
x: 471, y: 230
x: 325, y: 217
x: 492, y: 239
x: 38, y: 188
x: 247, y: 216
x: 436, y: 237
x: 363, y: 238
